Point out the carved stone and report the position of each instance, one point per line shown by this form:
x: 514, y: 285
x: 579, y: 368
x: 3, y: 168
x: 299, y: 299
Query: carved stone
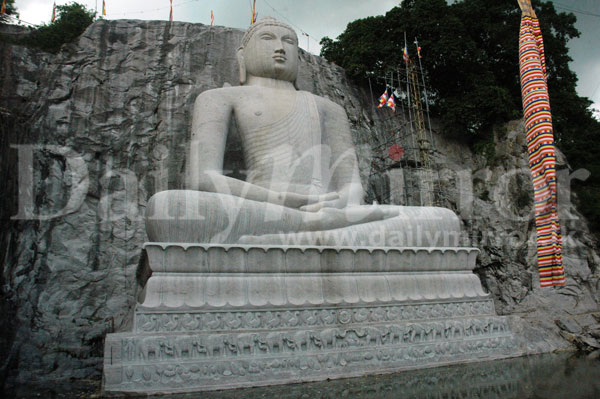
x: 229, y: 305
x: 205, y: 361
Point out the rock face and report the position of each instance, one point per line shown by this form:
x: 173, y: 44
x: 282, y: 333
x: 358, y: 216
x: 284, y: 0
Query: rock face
x: 104, y: 124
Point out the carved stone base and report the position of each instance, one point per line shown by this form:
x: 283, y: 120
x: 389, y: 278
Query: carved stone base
x: 214, y: 322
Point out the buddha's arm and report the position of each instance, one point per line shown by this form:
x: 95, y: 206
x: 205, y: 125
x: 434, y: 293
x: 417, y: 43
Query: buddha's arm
x: 210, y: 124
x: 345, y: 178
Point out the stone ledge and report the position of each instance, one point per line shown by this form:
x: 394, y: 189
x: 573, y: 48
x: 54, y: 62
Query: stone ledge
x: 234, y: 291
x: 151, y: 321
x: 219, y: 258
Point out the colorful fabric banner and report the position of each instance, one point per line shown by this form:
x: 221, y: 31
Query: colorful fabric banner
x: 53, y: 12
x: 391, y: 103
x: 540, y: 146
x: 253, y: 19
x: 171, y: 13
x: 405, y: 54
x: 3, y: 10
x: 419, y: 51
x: 212, y: 18
x: 104, y: 8
x: 383, y: 99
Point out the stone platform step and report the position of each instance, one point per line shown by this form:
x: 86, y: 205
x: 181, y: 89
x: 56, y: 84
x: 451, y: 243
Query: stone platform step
x: 208, y: 276
x: 193, y: 320
x: 178, y: 362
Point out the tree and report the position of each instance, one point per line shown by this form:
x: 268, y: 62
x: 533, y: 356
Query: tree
x: 71, y: 21
x: 11, y: 9
x: 470, y: 50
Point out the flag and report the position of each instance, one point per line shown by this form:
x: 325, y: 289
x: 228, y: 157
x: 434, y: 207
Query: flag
x: 391, y: 103
x: 383, y: 99
x: 419, y: 51
x: 53, y: 12
x: 3, y: 10
x: 253, y: 12
x: 212, y: 18
x: 171, y: 13
x: 104, y: 8
x: 405, y: 54
x: 540, y: 147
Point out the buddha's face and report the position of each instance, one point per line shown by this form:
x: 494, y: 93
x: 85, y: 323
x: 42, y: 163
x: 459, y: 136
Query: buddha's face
x: 272, y: 52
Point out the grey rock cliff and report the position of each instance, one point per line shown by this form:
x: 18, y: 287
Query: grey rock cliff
x: 119, y: 100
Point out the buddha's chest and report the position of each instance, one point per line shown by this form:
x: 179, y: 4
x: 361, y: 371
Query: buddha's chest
x: 262, y: 110
x: 284, y: 120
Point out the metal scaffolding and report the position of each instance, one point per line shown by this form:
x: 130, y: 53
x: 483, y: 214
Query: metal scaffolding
x: 414, y: 178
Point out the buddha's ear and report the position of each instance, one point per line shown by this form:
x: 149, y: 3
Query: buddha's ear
x: 242, y: 64
x: 296, y: 80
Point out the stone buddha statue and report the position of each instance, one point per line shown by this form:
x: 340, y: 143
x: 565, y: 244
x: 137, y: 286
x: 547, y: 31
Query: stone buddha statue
x: 302, y: 186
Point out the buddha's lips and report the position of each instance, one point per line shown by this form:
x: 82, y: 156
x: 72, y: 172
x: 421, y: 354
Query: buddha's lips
x: 279, y: 57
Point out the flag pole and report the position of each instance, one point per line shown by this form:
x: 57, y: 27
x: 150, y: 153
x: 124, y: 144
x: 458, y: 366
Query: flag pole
x: 424, y: 90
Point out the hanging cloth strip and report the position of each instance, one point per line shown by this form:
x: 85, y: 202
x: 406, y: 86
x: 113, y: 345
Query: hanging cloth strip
x: 540, y: 146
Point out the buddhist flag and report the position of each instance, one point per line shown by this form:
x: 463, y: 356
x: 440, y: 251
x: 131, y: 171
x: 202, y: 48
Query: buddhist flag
x: 405, y: 54
x: 383, y: 99
x: 212, y: 18
x: 53, y: 12
x: 171, y: 13
x: 391, y: 103
x: 419, y: 51
x: 540, y: 146
x: 104, y: 8
x: 3, y: 10
x: 253, y: 12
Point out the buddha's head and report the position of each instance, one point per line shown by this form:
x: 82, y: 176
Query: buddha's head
x: 270, y: 50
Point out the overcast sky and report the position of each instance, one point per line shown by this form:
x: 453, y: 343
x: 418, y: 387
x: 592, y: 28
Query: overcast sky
x: 320, y: 18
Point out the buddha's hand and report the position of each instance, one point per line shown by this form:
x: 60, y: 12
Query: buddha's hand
x: 333, y: 218
x: 294, y: 200
x: 349, y: 196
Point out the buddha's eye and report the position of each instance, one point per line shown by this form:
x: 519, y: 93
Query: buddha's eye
x: 289, y: 40
x: 267, y: 36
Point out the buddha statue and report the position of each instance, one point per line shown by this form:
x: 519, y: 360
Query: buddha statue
x: 302, y: 186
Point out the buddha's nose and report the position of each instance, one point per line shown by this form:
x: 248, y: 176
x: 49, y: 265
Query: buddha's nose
x: 280, y: 50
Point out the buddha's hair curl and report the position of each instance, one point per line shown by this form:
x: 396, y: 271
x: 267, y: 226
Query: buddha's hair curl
x: 266, y: 21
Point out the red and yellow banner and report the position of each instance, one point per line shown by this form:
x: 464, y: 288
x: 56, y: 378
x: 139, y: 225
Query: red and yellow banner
x: 540, y: 146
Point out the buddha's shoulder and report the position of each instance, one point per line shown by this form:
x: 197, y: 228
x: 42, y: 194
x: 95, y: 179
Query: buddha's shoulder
x: 230, y: 92
x: 326, y: 104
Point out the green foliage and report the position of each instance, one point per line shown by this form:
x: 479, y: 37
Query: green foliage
x: 11, y: 9
x: 486, y: 148
x: 470, y: 55
x: 71, y: 21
